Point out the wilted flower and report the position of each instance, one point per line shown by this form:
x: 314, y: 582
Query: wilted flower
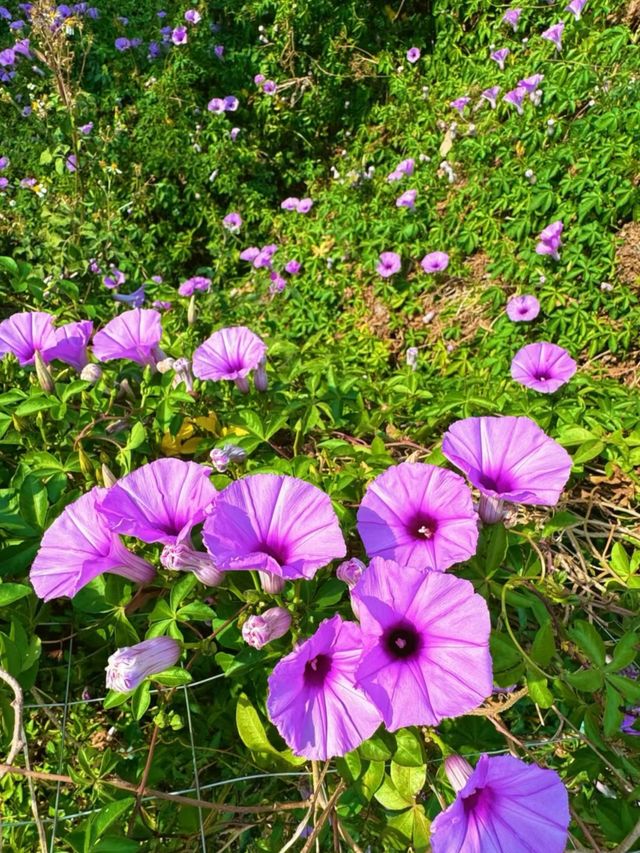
x: 161, y: 304
x: 183, y: 558
x: 313, y: 699
x: 542, y: 366
x: 500, y: 56
x: 549, y: 240
x: 233, y: 133
x: 388, y: 264
x: 407, y: 199
x: 86, y: 129
x: 523, y: 309
x: 426, y: 644
x: 25, y: 334
x: 576, y: 7
x: 76, y: 548
x: 230, y: 353
x: 278, y: 283
x: 134, y: 335
x: 511, y: 17
x: 179, y: 35
x: 491, y: 95
x: 460, y: 103
x: 350, y: 571
x: 257, y: 631
x: 554, y: 34
x: 129, y: 666
x: 221, y: 457
x: 135, y: 298
x: 515, y: 97
x: 232, y: 222
x: 503, y: 802
x: 413, y: 54
x: 435, y: 262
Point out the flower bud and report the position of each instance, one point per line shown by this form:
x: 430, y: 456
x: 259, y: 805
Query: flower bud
x: 491, y: 509
x: 91, y: 373
x: 125, y: 391
x: 192, y: 314
x: 182, y: 367
x: 273, y: 584
x: 412, y: 357
x: 242, y: 384
x: 222, y: 456
x: 165, y: 365
x: 260, y: 377
x: 108, y: 477
x: 458, y: 771
x: 350, y: 571
x: 129, y: 666
x: 43, y: 373
x: 182, y: 558
x: 257, y: 631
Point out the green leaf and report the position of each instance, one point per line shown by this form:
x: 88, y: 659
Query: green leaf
x: 196, y: 610
x: 389, y: 796
x: 10, y: 592
x: 175, y: 676
x: 179, y: 591
x: 629, y: 688
x: 408, y: 781
x: 612, y: 714
x: 100, y: 823
x: 329, y: 593
x: 140, y: 700
x: 372, y: 779
x: 379, y: 747
x: 113, y: 699
x: 587, y: 680
x: 253, y: 734
x: 589, y: 640
x: 624, y: 653
x: 544, y: 647
x: 350, y: 766
x: 35, y: 404
x: 538, y: 689
x: 409, y: 748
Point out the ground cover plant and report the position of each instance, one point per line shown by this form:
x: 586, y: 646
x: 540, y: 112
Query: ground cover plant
x: 319, y: 426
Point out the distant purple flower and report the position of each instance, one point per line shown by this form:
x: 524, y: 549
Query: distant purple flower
x: 192, y: 16
x: 222, y: 457
x: 7, y: 57
x: 124, y: 21
x: 4, y: 183
x: 157, y: 279
x: 17, y: 25
x: 94, y: 266
x: 26, y: 111
x: 412, y: 357
x: 554, y: 34
x: 28, y: 182
x: 491, y: 95
x: 630, y: 722
x: 531, y: 83
x: 351, y: 571
x: 280, y: 525
x: 76, y: 548
x: 511, y: 17
x: 25, y: 334
x: 122, y: 43
x: 216, y: 105
x: 426, y: 644
x: 313, y: 699
x: 278, y: 283
x: 500, y: 56
x: 413, y: 54
x: 418, y: 515
x: 576, y: 7
x: 523, y: 309
x: 199, y: 283
x: 232, y: 222
x: 159, y: 502
x: 231, y: 103
x: 161, y: 304
x: 71, y: 344
x: 161, y: 14
x: 5, y: 14
x: 290, y: 203
x: 549, y: 240
x: 71, y: 163
x: 230, y: 354
x: 249, y: 254
x: 154, y: 50
x: 4, y: 162
x: 507, y: 459
x: 269, y: 87
x: 114, y: 278
x: 435, y: 262
x: 135, y: 298
x: 407, y: 199
x: 133, y: 335
x: 264, y: 256
x: 179, y: 35
x: 129, y: 666
x: 233, y: 133
x: 515, y: 97
x: 293, y: 267
x: 259, y: 79
x: 405, y: 167
x: 257, y: 631
x: 86, y: 129
x: 460, y: 103
x: 304, y: 205
x: 502, y: 805
x: 389, y: 263
x: 219, y: 51
x: 543, y: 366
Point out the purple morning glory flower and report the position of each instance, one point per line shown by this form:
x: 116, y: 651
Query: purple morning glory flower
x: 515, y: 97
x: 179, y: 35
x: 114, y: 279
x: 122, y: 43
x: 135, y: 299
x: 71, y: 163
x: 290, y: 203
x: 17, y: 25
x: 418, y: 515
x: 507, y: 459
x: 25, y: 334
x: 28, y: 182
x: 4, y: 162
x: 269, y: 87
x: 629, y: 724
x: 229, y: 354
x: 405, y: 167
x: 4, y: 183
x: 460, y: 103
x: 71, y: 344
x: 500, y: 56
x: 407, y: 199
x: 491, y: 95
x: 282, y: 526
x: 313, y: 699
x: 7, y: 57
x: 160, y: 502
x: 134, y: 335
x: 232, y: 222
x: 511, y: 17
x: 304, y: 205
x: 259, y: 79
x: 264, y: 256
x: 543, y: 366
x: 221, y: 457
x: 413, y: 54
x: 576, y: 7
x: 129, y: 666
x: 531, y: 83
x: 278, y: 283
x: 426, y: 644
x: 389, y: 263
x: 549, y: 240
x: 293, y: 266
x: 249, y: 254
x: 523, y: 309
x: 219, y: 51
x: 154, y: 50
x: 435, y: 262
x: 502, y: 805
x: 161, y: 305
x: 198, y: 283
x: 554, y: 34
x: 86, y: 129
x: 76, y: 548
x: 274, y: 623
x: 192, y: 16
x: 216, y: 105
x: 233, y: 133
x: 5, y: 14
x: 231, y: 104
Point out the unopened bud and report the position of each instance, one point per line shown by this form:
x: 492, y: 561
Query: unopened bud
x: 108, y: 477
x: 182, y: 558
x: 129, y: 666
x: 165, y: 365
x: 192, y: 314
x: 182, y: 367
x: 260, y: 377
x: 257, y: 631
x: 273, y: 584
x: 44, y: 375
x: 124, y: 391
x: 222, y: 456
x: 458, y: 771
x: 91, y: 373
x: 350, y: 571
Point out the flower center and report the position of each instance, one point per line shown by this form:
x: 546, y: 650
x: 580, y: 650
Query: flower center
x: 278, y: 552
x: 402, y: 641
x: 541, y: 377
x: 316, y: 670
x: 480, y: 797
x: 496, y: 483
x: 423, y: 527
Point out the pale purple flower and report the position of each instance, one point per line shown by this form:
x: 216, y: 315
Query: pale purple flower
x: 554, y: 34
x: 532, y: 83
x: 25, y: 334
x: 576, y: 7
x: 71, y: 344
x: 161, y: 305
x: 231, y: 103
x: 313, y: 699
x: 511, y: 17
x: 159, y: 502
x: 129, y: 666
x: 460, y: 103
x: 114, y: 278
x: 257, y: 631
x: 418, y: 515
x: 404, y: 167
x: 435, y: 262
x: 278, y: 283
x: 179, y: 35
x: 290, y: 203
x: 413, y: 54
x: 135, y: 298
x: 249, y: 254
x: 426, y: 644
x: 122, y: 43
x: 543, y: 366
x: 233, y: 133
x: 407, y: 199
x: 192, y: 16
x: 412, y: 357
x: 216, y: 105
x: 293, y: 266
x: 231, y: 354
x: 351, y: 571
x: 77, y: 548
x: 259, y: 79
x: 549, y: 240
x: 4, y: 183
x: 183, y: 558
x: 389, y: 263
x: 500, y: 56
x: 260, y: 379
x: 232, y: 222
x: 523, y: 309
x: 264, y: 256
x: 199, y: 283
x: 491, y: 95
x: 269, y: 87
x: 504, y: 804
x: 629, y: 724
x: 222, y: 457
x: 219, y: 51
x: 4, y: 162
x: 86, y: 129
x: 507, y: 459
x: 277, y: 524
x: 133, y: 335
x: 515, y: 97
x: 304, y: 205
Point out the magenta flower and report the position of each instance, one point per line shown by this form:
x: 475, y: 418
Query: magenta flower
x: 515, y: 97
x: 435, y: 262
x: 507, y: 459
x: 274, y: 623
x: 129, y: 666
x: 313, y: 699
x: 4, y: 162
x: 85, y: 129
x: 192, y: 16
x: 523, y: 309
x: 389, y: 263
x: 179, y: 35
x: 549, y: 241
x: 504, y: 804
x: 25, y: 334
x: 426, y: 644
x: 350, y: 571
x: 71, y: 344
x: 269, y: 87
x: 160, y: 502
x: 542, y: 366
x: 532, y: 83
x: 231, y: 103
x: 230, y: 353
x: 133, y: 334
x: 277, y: 524
x: 511, y: 17
x: 576, y: 7
x: 232, y: 222
x: 304, y: 205
x: 554, y: 34
x: 77, y: 548
x: 198, y: 283
x: 500, y: 56
x: 259, y: 79
x: 407, y: 199
x: 418, y: 515
x: 460, y: 103
x: 405, y: 167
x: 71, y: 163
x: 491, y: 95
x: 290, y: 203
x: 264, y: 256
x: 278, y: 283
x: 413, y: 54
x: 293, y: 266
x: 216, y: 105
x: 114, y: 279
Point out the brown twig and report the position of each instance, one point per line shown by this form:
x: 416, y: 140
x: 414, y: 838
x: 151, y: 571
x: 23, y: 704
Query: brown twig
x: 17, y: 741
x: 629, y: 841
x: 317, y: 829
x: 143, y: 780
